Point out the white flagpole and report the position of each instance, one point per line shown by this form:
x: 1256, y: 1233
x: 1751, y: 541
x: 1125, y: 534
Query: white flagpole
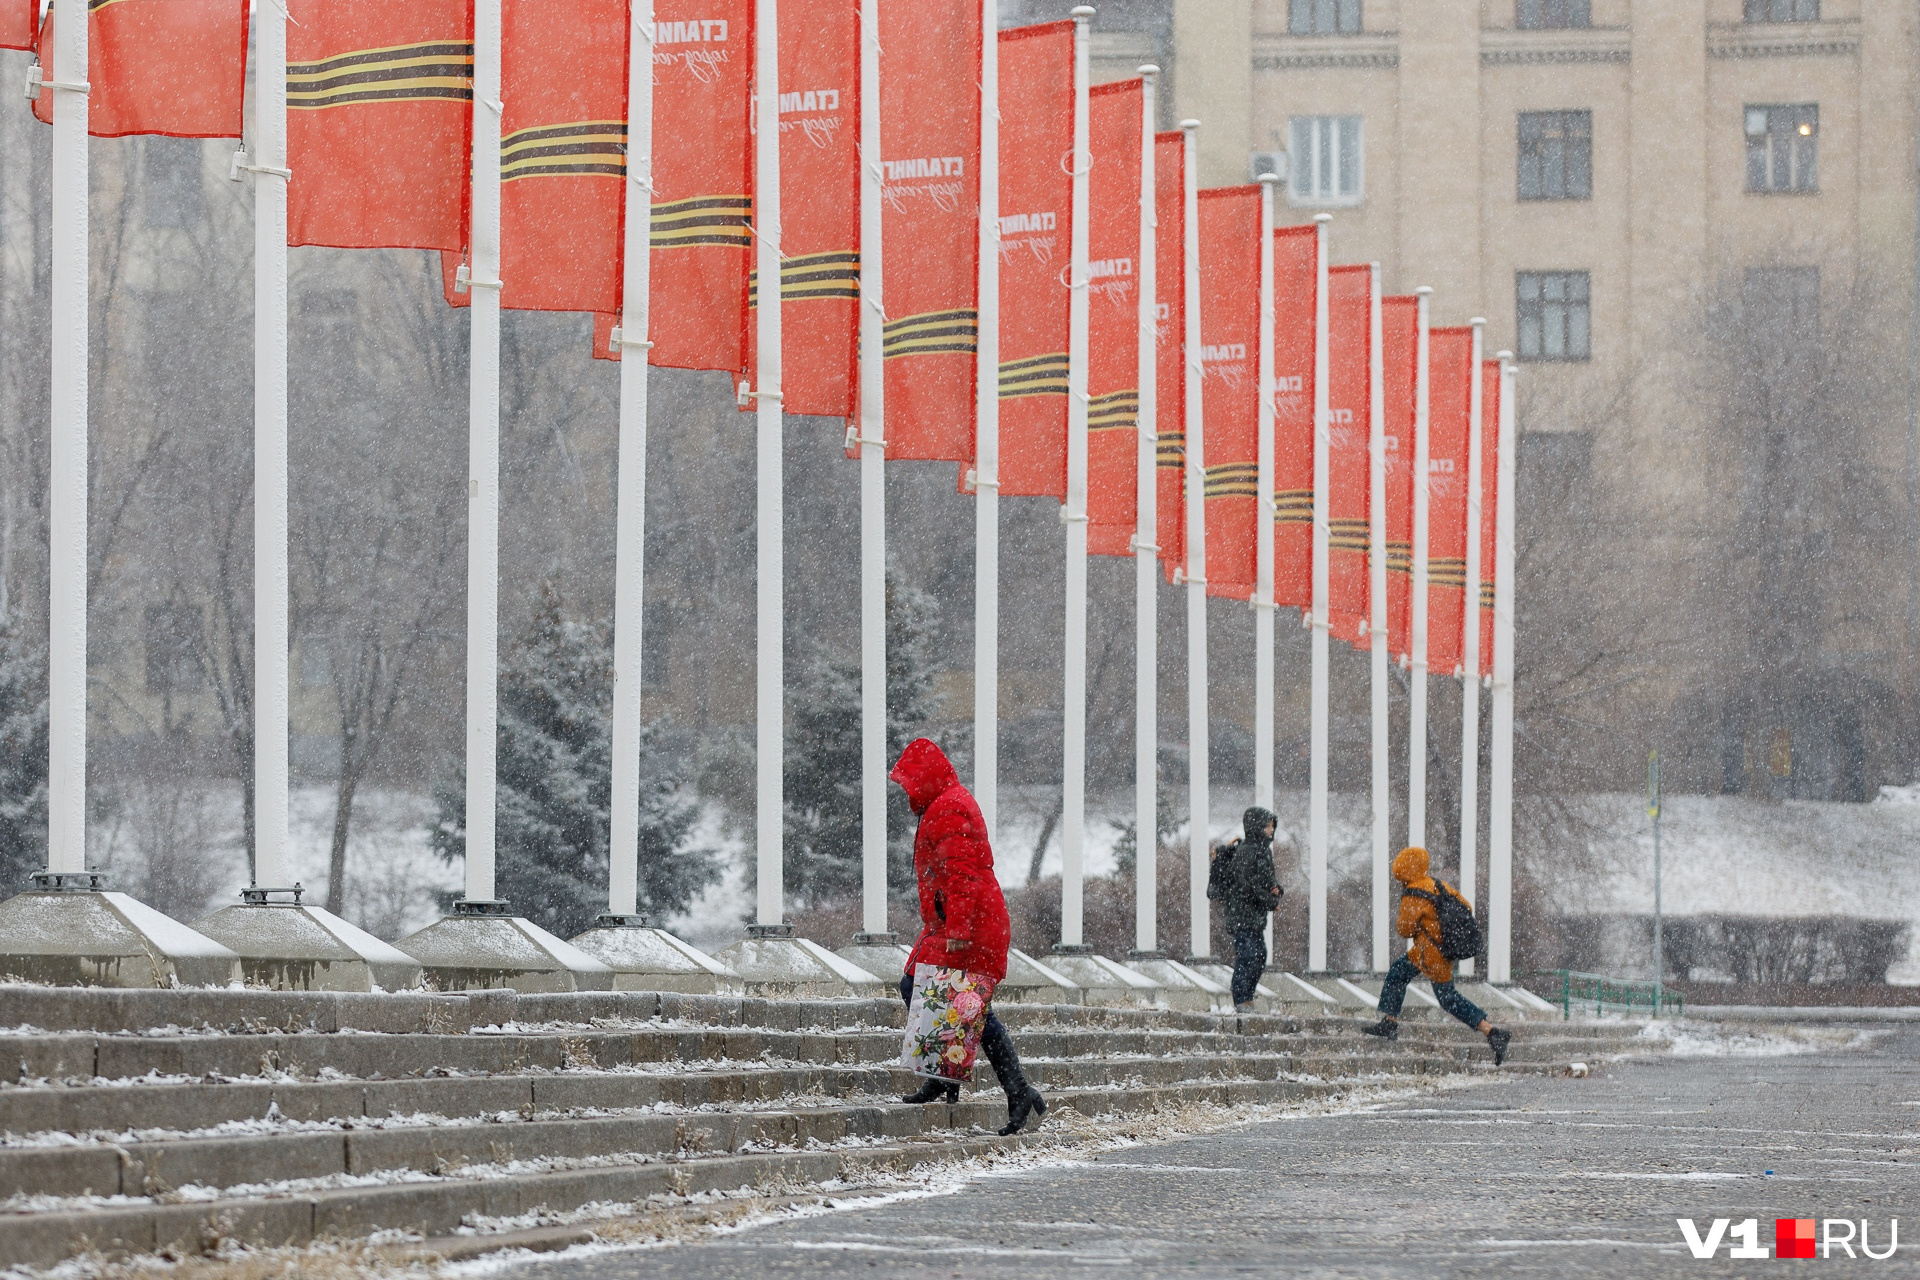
x: 986, y: 465
x: 630, y: 541
x: 270, y: 553
x: 67, y: 480
x: 769, y: 705
x: 873, y: 494
x: 1377, y: 608
x: 1317, y: 783
x: 1196, y: 536
x: 1417, y: 676
x: 1074, y: 514
x: 1263, y: 521
x: 1500, y: 824
x: 483, y: 456
x: 1146, y: 556
x: 1470, y: 650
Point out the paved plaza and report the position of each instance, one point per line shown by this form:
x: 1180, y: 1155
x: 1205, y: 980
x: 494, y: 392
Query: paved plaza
x: 1520, y: 1176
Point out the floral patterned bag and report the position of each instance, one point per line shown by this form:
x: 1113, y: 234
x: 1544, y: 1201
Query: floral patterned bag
x: 944, y: 1022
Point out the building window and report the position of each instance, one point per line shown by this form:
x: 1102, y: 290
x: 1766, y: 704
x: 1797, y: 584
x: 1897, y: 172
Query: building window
x: 1783, y: 148
x: 1323, y: 160
x: 1556, y: 155
x: 173, y: 645
x: 1323, y: 17
x: 1553, y: 315
x: 1783, y: 10
x: 1542, y: 15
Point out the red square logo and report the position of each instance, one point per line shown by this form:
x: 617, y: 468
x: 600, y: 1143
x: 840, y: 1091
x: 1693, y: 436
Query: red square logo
x: 1793, y: 1237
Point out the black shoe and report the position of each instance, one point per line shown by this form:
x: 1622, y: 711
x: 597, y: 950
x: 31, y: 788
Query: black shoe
x: 1386, y: 1029
x: 1497, y: 1040
x: 934, y: 1091
x: 1021, y: 1106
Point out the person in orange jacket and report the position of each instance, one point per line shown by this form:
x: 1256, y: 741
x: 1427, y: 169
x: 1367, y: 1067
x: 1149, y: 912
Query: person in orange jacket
x: 1420, y: 922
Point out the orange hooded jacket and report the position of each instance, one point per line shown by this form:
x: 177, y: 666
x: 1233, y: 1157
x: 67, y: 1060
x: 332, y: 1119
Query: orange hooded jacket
x: 1419, y: 919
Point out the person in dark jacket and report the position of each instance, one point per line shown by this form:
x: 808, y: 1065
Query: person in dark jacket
x: 963, y: 914
x: 1252, y: 894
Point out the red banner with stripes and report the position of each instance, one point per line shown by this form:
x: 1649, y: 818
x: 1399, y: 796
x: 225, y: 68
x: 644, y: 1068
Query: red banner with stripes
x: 1036, y: 230
x: 819, y: 208
x: 1113, y: 311
x: 379, y: 123
x: 175, y: 68
x: 1295, y: 280
x: 1399, y: 349
x: 1230, y: 392
x: 930, y: 170
x: 1350, y: 406
x: 1170, y: 364
x: 1450, y: 375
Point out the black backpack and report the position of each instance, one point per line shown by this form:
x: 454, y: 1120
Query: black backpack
x: 1220, y: 869
x: 1459, y: 931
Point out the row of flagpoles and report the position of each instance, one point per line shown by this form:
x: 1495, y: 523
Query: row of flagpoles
x: 1253, y: 421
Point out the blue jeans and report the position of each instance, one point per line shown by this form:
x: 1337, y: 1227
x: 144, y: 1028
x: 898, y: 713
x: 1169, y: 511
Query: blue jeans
x: 1249, y: 961
x: 1394, y: 991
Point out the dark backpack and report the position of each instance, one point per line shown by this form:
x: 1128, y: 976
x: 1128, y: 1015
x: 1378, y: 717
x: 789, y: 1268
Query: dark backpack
x: 1459, y: 931
x: 1220, y: 871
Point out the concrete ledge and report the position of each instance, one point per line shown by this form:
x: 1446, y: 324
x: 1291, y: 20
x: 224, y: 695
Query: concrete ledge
x: 1104, y: 981
x: 647, y: 959
x: 97, y: 938
x: 785, y: 966
x: 1031, y: 981
x: 468, y: 952
x: 1183, y: 987
x: 297, y: 947
x: 233, y: 1009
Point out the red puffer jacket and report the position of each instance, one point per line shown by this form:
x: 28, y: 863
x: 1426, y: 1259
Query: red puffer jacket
x: 960, y: 898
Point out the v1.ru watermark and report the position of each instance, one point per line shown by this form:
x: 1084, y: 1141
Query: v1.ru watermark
x: 1792, y: 1238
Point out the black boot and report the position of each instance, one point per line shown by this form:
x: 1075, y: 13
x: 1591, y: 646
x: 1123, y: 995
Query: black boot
x: 1386, y: 1029
x: 1498, y: 1040
x: 934, y: 1091
x: 1023, y: 1100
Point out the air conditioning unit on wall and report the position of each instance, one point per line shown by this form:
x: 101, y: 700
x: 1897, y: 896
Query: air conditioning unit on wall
x: 1264, y: 162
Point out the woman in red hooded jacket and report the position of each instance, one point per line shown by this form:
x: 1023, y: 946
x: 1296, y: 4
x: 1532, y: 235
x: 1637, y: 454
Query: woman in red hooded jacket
x: 963, y: 915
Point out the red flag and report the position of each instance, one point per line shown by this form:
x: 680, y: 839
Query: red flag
x: 819, y: 208
x: 1230, y: 337
x: 1489, y: 496
x: 379, y: 123
x: 1036, y: 203
x: 1170, y: 366
x: 1295, y: 280
x: 1113, y: 314
x: 20, y: 25
x: 1450, y: 376
x: 1350, y: 405
x: 1399, y: 343
x: 930, y: 159
x: 563, y: 156
x: 177, y: 68
x: 702, y: 183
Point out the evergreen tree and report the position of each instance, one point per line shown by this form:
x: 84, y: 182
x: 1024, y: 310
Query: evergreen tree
x: 822, y: 853
x: 553, y: 806
x: 23, y: 759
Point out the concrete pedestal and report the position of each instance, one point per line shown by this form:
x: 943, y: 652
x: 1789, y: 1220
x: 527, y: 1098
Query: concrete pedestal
x: 75, y: 933
x: 481, y: 947
x: 1296, y: 994
x: 1181, y: 986
x: 1032, y: 981
x: 1103, y: 981
x: 293, y: 946
x: 644, y: 958
x: 881, y: 954
x: 772, y: 962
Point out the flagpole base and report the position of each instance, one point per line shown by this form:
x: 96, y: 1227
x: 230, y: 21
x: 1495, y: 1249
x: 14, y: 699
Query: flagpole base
x: 481, y: 945
x: 71, y: 931
x: 774, y: 963
x: 644, y: 958
x: 294, y: 946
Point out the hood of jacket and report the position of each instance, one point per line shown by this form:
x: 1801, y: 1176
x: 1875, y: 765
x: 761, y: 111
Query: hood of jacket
x: 923, y: 772
x: 1410, y: 864
x: 1254, y: 822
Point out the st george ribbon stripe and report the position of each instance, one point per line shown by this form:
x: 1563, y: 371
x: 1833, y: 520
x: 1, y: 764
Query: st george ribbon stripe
x: 1042, y: 375
x: 1170, y: 449
x: 1233, y: 480
x: 589, y: 147
x: 931, y: 332
x: 436, y: 69
x: 812, y: 276
x: 702, y: 220
x: 1293, y: 506
x: 1447, y: 572
x: 1350, y: 535
x: 1114, y: 411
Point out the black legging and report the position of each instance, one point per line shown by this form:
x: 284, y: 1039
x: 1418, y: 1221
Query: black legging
x: 994, y: 1042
